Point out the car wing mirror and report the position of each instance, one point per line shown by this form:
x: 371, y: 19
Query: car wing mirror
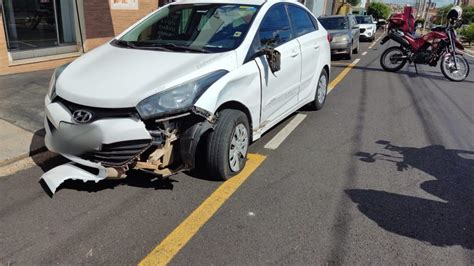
x: 273, y: 58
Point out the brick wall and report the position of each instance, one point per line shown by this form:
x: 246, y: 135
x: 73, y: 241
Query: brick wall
x: 103, y: 23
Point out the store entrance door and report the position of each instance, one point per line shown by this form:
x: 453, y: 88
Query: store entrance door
x: 39, y: 24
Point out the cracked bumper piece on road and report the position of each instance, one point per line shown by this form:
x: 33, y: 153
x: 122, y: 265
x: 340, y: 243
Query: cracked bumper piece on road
x: 56, y: 176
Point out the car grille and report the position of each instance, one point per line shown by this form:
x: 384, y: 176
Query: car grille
x: 362, y: 30
x: 98, y: 113
x: 119, y: 153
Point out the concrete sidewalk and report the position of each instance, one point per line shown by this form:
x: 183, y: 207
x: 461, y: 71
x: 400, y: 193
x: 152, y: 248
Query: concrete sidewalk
x: 21, y: 114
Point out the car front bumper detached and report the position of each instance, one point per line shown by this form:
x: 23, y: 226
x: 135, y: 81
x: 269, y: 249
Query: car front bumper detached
x: 114, y: 141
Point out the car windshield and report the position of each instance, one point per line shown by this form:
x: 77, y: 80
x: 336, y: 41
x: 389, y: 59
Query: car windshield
x: 335, y: 23
x: 364, y: 20
x: 192, y: 28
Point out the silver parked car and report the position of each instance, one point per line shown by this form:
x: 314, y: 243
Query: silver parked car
x: 345, y: 33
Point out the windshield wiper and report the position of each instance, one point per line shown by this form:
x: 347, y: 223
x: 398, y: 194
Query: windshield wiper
x: 173, y: 46
x: 123, y: 43
x: 138, y: 45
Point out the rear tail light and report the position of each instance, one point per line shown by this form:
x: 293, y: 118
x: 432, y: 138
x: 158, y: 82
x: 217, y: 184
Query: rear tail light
x: 329, y: 38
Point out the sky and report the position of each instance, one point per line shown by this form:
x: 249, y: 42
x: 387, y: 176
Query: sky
x: 440, y: 3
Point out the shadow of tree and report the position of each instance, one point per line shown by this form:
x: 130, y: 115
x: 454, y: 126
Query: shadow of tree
x: 440, y: 223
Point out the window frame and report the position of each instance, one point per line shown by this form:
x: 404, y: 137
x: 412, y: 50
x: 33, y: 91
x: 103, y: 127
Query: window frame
x: 310, y: 16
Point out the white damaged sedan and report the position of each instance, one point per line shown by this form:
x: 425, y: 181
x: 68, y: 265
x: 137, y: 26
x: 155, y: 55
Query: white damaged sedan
x: 216, y: 73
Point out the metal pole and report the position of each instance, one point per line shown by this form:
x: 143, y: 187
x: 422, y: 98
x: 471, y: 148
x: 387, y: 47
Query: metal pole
x: 80, y: 27
x: 426, y: 15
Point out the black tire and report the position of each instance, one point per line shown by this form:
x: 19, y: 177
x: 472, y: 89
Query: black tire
x: 318, y: 103
x: 349, y: 53
x: 386, y: 53
x: 356, y: 50
x: 445, y: 71
x: 219, y: 144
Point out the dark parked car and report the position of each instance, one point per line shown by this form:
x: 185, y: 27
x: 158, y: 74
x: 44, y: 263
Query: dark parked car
x: 345, y: 33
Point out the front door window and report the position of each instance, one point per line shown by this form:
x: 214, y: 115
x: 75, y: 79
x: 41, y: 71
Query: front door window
x: 36, y: 24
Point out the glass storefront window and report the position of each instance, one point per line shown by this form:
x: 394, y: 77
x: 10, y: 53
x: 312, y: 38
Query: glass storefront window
x: 36, y: 24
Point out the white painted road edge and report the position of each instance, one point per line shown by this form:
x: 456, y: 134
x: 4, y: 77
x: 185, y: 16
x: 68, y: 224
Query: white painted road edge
x: 276, y: 141
x: 364, y: 53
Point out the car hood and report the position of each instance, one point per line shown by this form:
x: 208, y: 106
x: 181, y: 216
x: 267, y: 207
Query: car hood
x: 365, y: 26
x: 113, y: 77
x: 338, y: 32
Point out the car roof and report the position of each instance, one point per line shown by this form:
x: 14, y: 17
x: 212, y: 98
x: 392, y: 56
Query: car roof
x: 239, y: 2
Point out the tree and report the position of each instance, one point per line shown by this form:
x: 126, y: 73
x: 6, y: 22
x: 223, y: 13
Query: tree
x: 378, y: 10
x: 468, y: 15
x: 468, y: 34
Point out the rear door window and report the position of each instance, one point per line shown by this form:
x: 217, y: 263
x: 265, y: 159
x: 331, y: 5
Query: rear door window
x: 275, y: 28
x: 301, y: 20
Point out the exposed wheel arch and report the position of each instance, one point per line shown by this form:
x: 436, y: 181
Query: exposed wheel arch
x: 237, y: 106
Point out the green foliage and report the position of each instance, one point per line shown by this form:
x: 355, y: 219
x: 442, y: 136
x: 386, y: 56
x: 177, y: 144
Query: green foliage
x: 468, y: 33
x: 468, y: 14
x: 378, y: 10
x: 353, y: 2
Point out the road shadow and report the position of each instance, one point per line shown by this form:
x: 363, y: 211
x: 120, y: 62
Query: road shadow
x: 439, y: 223
x: 137, y: 179
x: 40, y: 155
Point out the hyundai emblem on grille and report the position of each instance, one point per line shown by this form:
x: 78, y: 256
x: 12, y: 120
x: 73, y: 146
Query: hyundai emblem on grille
x: 82, y: 116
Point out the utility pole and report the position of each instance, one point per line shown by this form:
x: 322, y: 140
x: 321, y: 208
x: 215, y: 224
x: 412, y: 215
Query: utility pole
x: 426, y: 14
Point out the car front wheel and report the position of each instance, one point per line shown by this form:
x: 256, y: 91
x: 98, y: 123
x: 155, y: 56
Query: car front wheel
x: 228, y: 145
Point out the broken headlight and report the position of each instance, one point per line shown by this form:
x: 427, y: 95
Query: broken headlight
x: 54, y: 78
x: 177, y: 99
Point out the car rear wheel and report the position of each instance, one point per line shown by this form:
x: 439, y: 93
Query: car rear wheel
x: 349, y: 53
x: 228, y: 145
x: 321, y: 91
x: 356, y: 50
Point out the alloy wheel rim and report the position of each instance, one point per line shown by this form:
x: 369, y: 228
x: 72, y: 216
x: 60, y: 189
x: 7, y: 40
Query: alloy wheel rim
x: 322, y: 88
x: 460, y: 72
x: 238, y: 147
x: 393, y: 61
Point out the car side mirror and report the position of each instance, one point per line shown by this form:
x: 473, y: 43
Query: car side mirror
x: 273, y: 57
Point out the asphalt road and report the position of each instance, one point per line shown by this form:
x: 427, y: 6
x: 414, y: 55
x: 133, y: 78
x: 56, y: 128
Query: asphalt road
x: 383, y: 174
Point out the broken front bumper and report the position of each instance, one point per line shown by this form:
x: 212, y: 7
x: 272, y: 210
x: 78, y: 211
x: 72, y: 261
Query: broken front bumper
x: 110, y: 140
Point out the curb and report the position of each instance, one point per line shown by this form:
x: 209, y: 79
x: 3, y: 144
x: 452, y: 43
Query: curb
x: 23, y: 156
x: 22, y: 164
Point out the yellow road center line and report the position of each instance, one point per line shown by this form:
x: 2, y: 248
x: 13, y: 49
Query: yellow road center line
x: 176, y: 240
x: 342, y: 75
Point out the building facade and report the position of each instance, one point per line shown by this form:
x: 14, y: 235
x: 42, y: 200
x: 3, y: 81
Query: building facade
x: 44, y: 34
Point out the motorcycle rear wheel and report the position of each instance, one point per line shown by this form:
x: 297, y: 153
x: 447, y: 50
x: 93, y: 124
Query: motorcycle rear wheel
x: 448, y: 70
x: 389, y: 60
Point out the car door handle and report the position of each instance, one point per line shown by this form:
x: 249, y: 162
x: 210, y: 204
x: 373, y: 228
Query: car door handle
x: 316, y: 46
x: 294, y: 53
